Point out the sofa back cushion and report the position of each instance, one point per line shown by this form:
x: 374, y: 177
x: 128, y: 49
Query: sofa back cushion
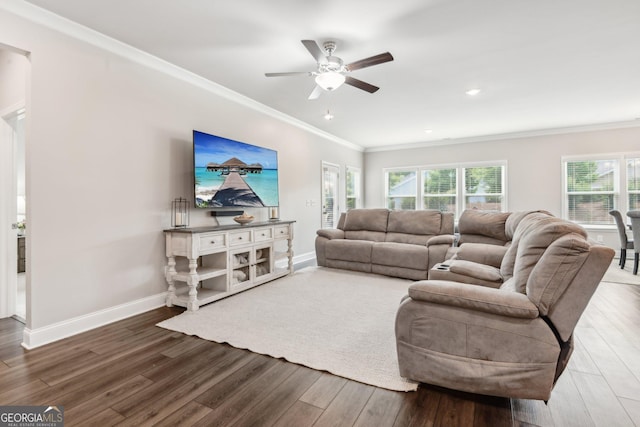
x: 366, y: 224
x: 514, y: 219
x: 476, y: 226
x: 417, y: 227
x: 533, y: 236
x: 555, y: 270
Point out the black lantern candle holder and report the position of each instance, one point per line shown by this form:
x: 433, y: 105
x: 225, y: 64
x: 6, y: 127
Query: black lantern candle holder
x: 180, y: 213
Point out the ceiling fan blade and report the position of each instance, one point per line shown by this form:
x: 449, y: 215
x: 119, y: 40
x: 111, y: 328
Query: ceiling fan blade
x: 314, y: 50
x: 368, y: 62
x: 294, y: 73
x: 316, y: 92
x: 360, y: 84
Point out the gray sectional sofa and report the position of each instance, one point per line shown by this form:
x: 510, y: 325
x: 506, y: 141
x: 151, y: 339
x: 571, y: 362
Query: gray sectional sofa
x: 498, y: 311
x: 498, y: 318
x: 403, y: 244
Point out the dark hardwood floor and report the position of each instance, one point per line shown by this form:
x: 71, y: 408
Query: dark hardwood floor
x: 133, y: 373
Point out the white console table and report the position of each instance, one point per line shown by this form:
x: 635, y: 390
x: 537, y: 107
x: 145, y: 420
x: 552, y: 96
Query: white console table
x: 205, y: 264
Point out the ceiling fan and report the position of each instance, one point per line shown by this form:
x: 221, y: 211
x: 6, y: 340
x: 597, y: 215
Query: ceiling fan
x: 331, y: 72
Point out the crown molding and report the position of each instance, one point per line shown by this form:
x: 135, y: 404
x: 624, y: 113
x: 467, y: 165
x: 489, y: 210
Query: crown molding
x: 77, y: 31
x: 510, y: 135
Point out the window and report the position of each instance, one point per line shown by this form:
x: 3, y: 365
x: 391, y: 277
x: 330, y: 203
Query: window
x: 483, y: 188
x: 353, y: 188
x: 633, y: 183
x: 591, y: 190
x: 330, y: 195
x: 401, y: 189
x: 447, y: 188
x: 439, y: 189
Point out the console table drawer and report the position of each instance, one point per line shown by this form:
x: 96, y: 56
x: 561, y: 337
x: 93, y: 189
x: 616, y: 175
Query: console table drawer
x: 240, y: 238
x: 281, y: 232
x: 212, y: 241
x: 263, y: 234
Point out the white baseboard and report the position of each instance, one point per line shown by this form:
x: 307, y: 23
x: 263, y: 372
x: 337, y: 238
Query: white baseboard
x: 297, y: 259
x: 33, y: 338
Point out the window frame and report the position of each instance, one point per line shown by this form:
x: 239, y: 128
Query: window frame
x: 636, y: 158
x: 385, y: 175
x: 460, y: 195
x: 616, y: 192
x: 621, y: 184
x: 357, y: 187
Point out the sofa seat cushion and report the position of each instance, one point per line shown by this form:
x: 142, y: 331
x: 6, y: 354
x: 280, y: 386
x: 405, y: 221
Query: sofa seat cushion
x: 413, y: 239
x: 373, y: 236
x: 400, y: 255
x: 349, y: 250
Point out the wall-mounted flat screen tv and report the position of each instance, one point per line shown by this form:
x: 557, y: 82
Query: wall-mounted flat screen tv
x: 232, y: 174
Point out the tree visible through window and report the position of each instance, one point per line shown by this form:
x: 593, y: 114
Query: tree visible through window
x: 447, y: 188
x: 401, y: 189
x: 440, y: 189
x: 591, y: 190
x: 483, y: 188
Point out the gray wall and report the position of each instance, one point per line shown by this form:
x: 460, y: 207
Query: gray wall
x: 109, y: 147
x: 528, y: 157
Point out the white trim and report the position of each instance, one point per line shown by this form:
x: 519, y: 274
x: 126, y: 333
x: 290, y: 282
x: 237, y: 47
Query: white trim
x: 360, y: 188
x: 12, y: 109
x: 33, y: 338
x: 304, y: 257
x: 337, y: 197
x: 65, y: 26
x: 510, y: 135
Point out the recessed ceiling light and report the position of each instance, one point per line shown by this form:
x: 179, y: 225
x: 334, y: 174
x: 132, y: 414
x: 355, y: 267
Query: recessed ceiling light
x: 428, y: 130
x: 473, y: 92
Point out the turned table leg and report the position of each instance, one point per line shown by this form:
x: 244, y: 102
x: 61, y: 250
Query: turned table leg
x: 192, y: 305
x: 170, y: 272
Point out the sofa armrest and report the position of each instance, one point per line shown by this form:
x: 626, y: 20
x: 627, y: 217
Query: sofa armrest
x: 331, y: 233
x: 438, y: 247
x: 475, y: 270
x: 479, y: 298
x: 482, y: 253
x: 441, y: 239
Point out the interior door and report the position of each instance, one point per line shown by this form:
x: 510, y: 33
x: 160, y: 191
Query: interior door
x: 8, y: 214
x: 330, y: 195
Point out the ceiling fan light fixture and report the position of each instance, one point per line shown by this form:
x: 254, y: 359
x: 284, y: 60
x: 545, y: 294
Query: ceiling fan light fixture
x: 330, y: 80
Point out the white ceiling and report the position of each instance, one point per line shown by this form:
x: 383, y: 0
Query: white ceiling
x: 540, y: 64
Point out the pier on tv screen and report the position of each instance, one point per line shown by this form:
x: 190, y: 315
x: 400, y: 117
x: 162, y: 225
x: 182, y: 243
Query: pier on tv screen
x: 230, y: 173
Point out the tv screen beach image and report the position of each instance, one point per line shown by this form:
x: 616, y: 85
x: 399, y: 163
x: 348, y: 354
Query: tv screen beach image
x: 230, y: 173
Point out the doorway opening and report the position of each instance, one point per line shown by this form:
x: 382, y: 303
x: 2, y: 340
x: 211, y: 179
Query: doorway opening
x: 14, y: 72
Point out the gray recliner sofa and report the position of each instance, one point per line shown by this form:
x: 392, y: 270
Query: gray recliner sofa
x: 484, y: 238
x: 512, y: 338
x: 403, y: 244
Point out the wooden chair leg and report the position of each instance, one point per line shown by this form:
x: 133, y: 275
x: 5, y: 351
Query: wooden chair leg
x: 636, y: 258
x: 623, y: 257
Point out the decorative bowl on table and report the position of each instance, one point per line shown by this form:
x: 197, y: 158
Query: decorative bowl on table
x: 243, y: 219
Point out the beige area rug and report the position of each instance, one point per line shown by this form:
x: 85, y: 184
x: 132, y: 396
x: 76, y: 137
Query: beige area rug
x: 331, y: 320
x: 615, y: 274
